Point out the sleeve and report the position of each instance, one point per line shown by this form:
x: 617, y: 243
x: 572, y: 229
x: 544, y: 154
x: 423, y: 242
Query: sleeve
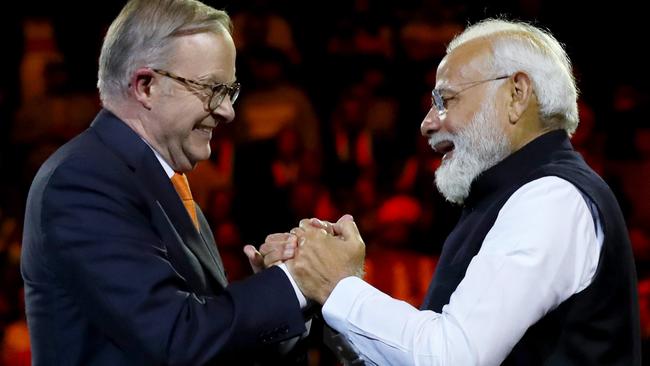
x: 541, y: 250
x: 301, y: 298
x: 98, y: 233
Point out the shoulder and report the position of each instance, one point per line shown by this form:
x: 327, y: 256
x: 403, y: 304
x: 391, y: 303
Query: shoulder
x: 82, y: 158
x: 545, y: 192
x: 549, y: 207
x: 83, y: 170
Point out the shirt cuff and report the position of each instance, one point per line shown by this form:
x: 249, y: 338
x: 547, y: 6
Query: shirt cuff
x: 301, y: 298
x: 342, y: 300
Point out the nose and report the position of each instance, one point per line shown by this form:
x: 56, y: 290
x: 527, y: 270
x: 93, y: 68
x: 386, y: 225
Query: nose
x: 431, y: 123
x: 226, y: 110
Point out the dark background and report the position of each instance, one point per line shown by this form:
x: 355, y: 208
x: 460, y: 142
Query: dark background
x: 322, y: 74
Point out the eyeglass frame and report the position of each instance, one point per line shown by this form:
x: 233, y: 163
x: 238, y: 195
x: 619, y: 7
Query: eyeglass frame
x: 232, y: 90
x: 439, y: 102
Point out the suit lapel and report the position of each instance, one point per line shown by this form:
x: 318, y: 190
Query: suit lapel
x: 208, y: 240
x: 151, y: 176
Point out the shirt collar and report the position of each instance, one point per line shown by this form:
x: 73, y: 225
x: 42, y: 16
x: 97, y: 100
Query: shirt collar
x: 168, y: 168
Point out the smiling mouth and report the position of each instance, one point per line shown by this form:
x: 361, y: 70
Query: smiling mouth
x: 445, y: 148
x: 204, y: 129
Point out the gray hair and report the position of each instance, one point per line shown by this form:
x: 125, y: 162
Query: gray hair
x: 518, y: 46
x: 142, y: 35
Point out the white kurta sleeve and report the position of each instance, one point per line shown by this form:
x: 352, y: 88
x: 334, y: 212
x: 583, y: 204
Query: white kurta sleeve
x: 542, y: 249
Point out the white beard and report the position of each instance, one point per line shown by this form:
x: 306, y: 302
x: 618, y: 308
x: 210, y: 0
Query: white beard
x: 477, y: 147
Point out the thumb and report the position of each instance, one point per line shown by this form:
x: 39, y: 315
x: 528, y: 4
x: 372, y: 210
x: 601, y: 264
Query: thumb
x: 254, y: 258
x: 347, y: 227
x: 346, y: 217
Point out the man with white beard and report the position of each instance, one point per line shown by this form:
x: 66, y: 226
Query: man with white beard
x: 538, y: 270
x: 476, y: 147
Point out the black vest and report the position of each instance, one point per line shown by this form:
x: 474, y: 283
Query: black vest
x: 597, y: 326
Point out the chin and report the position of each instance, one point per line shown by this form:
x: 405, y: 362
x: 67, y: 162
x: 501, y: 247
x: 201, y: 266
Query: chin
x: 198, y: 152
x: 453, y: 184
x: 200, y: 157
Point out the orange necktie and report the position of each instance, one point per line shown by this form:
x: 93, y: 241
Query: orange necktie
x: 183, y: 188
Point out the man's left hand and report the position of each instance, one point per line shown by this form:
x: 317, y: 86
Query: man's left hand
x: 322, y: 260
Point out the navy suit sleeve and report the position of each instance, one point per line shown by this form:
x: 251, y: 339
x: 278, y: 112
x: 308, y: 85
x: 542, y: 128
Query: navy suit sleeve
x: 97, y: 232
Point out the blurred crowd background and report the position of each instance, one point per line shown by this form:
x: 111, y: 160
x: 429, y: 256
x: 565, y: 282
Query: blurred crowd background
x: 333, y: 93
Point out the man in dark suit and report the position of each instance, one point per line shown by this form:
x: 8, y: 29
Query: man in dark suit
x: 118, y: 268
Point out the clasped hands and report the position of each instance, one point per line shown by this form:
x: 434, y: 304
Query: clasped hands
x: 318, y: 254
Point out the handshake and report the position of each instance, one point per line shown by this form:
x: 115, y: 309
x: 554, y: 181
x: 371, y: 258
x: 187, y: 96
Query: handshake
x: 317, y: 253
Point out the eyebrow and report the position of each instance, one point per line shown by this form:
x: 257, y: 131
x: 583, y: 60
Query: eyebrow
x: 451, y: 88
x: 212, y: 79
x: 443, y: 84
x: 445, y: 89
x: 208, y: 79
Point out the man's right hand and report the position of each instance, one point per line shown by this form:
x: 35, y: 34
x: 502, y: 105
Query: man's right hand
x: 276, y: 249
x: 280, y: 247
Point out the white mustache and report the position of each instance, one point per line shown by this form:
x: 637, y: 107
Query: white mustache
x: 443, y: 136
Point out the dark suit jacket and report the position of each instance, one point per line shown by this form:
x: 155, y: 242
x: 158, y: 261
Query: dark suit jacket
x: 116, y: 274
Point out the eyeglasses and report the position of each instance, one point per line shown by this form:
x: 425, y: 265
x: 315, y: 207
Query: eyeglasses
x: 219, y: 91
x: 440, y: 103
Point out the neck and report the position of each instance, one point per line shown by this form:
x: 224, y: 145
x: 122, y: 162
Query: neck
x: 526, y: 131
x: 134, y: 121
x: 133, y: 118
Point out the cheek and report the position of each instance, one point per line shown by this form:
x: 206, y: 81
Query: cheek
x: 183, y: 103
x: 502, y: 122
x: 185, y: 109
x: 466, y: 113
x: 453, y: 123
x: 185, y: 117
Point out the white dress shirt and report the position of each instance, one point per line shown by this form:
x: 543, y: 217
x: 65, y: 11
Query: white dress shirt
x: 543, y: 247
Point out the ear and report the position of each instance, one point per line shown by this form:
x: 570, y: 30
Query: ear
x: 521, y: 93
x: 140, y: 86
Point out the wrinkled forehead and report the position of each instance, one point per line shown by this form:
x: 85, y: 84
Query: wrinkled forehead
x: 466, y: 63
x: 207, y: 56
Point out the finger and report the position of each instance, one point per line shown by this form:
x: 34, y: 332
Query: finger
x: 296, y: 231
x: 287, y: 252
x: 337, y: 226
x: 269, y: 247
x: 278, y: 245
x: 254, y: 258
x: 348, y: 228
x: 304, y: 224
x: 277, y: 237
x: 345, y: 217
x: 322, y: 224
x: 314, y: 233
x: 251, y: 252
